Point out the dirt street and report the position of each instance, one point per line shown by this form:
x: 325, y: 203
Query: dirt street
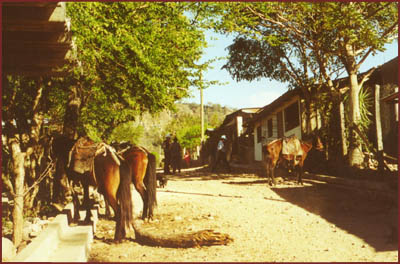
x: 287, y: 223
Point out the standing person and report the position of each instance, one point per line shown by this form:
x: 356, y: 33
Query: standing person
x: 221, y: 154
x: 167, y: 153
x: 176, y: 156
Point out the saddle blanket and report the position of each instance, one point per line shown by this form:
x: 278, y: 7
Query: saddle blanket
x: 292, y: 146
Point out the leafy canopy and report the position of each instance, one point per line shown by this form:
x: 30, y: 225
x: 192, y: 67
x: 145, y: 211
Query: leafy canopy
x: 134, y: 56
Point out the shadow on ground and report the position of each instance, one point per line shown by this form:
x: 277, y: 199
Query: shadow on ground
x: 365, y: 215
x: 204, y: 173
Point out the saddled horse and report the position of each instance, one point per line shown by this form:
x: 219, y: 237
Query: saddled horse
x: 97, y: 164
x: 289, y: 152
x: 142, y: 165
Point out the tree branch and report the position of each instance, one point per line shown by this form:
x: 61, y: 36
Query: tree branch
x: 366, y: 76
x: 372, y: 49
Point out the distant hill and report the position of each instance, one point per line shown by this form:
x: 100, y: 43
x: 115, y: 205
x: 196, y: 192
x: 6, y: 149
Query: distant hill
x: 153, y: 128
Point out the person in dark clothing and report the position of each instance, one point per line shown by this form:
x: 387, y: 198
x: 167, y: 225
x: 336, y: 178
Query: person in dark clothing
x: 221, y: 154
x: 176, y: 156
x: 167, y: 153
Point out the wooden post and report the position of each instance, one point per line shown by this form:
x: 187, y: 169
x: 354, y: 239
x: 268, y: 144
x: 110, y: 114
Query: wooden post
x: 378, y: 123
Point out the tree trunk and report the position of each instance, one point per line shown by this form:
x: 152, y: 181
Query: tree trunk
x: 343, y: 128
x: 338, y: 105
x: 18, y: 158
x: 308, y: 112
x: 355, y: 152
x: 378, y: 124
x: 34, y: 150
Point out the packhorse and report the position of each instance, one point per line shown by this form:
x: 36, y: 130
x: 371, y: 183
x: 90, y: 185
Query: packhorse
x: 289, y: 152
x: 98, y: 165
x: 142, y: 166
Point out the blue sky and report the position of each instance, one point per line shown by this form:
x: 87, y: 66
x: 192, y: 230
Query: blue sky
x: 256, y: 93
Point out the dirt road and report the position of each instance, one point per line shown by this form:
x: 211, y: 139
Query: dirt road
x: 314, y: 222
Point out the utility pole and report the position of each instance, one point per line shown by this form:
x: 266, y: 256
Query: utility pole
x: 201, y: 108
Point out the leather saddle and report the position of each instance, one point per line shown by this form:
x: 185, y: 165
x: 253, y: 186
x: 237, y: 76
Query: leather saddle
x: 82, y: 155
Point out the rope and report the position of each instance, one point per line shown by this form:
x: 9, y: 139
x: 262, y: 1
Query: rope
x: 40, y: 179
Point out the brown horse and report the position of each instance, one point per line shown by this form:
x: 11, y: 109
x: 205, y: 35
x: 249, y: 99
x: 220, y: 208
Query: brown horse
x: 97, y: 164
x: 142, y: 165
x: 290, y: 152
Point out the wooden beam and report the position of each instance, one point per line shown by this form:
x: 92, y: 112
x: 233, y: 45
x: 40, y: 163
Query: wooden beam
x: 391, y: 98
x: 36, y: 11
x: 34, y: 26
x: 29, y: 4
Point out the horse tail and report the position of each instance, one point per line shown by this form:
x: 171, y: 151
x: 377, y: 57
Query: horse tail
x: 124, y: 196
x: 150, y: 181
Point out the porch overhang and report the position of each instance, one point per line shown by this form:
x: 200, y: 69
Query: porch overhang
x: 36, y: 38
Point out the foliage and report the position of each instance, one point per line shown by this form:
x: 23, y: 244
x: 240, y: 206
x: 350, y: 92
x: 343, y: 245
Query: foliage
x: 127, y: 132
x: 290, y: 34
x: 190, y: 136
x: 250, y: 59
x: 184, y: 122
x: 322, y: 39
x: 135, y: 57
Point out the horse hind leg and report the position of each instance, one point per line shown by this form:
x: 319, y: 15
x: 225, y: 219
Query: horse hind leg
x: 108, y: 210
x: 139, y: 186
x: 299, y: 171
x: 87, y: 203
x: 75, y: 201
x: 111, y: 201
x: 272, y: 175
x: 271, y: 166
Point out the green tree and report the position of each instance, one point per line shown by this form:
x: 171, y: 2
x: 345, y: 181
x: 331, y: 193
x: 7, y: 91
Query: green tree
x: 127, y: 132
x: 135, y: 57
x: 25, y: 144
x: 331, y: 34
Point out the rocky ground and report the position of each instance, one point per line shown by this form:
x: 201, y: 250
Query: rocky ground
x: 286, y: 223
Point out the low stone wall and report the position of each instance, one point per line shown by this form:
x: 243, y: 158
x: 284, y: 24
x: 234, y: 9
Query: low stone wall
x: 59, y: 242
